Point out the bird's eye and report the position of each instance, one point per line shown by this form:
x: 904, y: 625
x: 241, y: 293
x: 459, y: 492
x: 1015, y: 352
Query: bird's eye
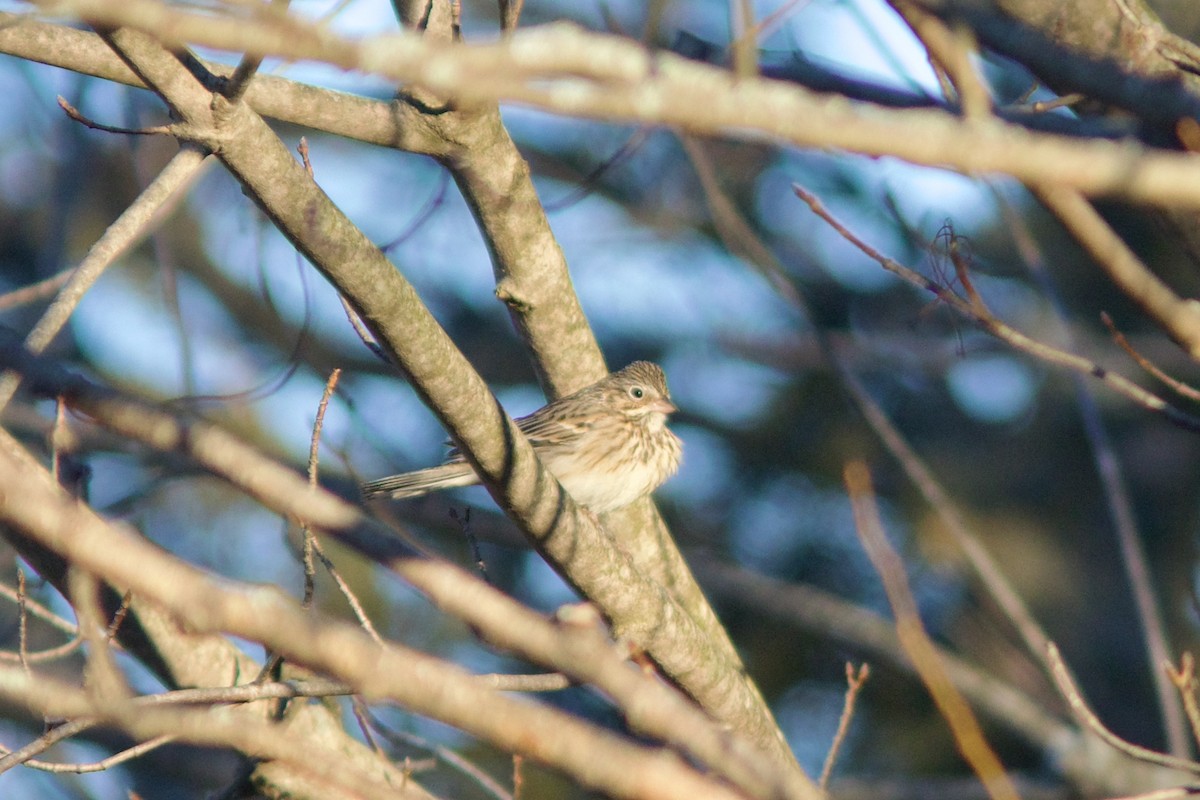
x: 637, y: 392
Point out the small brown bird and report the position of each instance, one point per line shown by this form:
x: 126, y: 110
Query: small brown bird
x: 607, y: 444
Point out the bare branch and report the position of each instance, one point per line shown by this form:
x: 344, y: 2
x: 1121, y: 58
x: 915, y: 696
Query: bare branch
x: 615, y: 79
x: 811, y: 609
x: 1177, y: 386
x: 499, y: 618
x: 639, y: 606
x: 103, y: 764
x: 548, y: 682
x: 1006, y: 333
x: 75, y: 114
x: 968, y: 735
x: 151, y: 207
x: 1108, y: 466
x: 233, y: 694
x: 1180, y: 318
x: 35, y: 291
x: 259, y: 613
x: 1088, y: 718
x: 948, y: 50
x: 217, y: 727
x: 38, y: 610
x: 445, y: 755
x: 1184, y: 679
x: 854, y: 684
x: 989, y: 573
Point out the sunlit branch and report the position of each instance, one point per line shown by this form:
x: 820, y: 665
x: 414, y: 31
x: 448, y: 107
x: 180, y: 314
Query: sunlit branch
x: 564, y: 69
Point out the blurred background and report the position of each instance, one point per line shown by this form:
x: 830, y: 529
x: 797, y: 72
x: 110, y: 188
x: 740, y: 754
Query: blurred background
x: 219, y: 315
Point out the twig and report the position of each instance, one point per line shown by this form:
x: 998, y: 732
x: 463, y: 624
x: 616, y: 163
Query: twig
x: 1120, y: 505
x: 464, y: 523
x: 510, y: 14
x: 302, y: 149
x: 954, y: 709
x: 314, y: 448
x: 985, y: 567
x: 546, y: 682
x: 447, y: 756
x: 362, y: 714
x: 1088, y: 718
x: 35, y: 291
x: 854, y: 685
x: 237, y: 84
x: 312, y: 545
x: 22, y: 619
x: 57, y: 437
x: 1184, y: 679
x: 102, y: 676
x: 1027, y: 94
x: 145, y: 162
x: 1006, y: 333
x: 426, y: 211
x: 334, y: 12
x: 359, y: 612
x: 1137, y: 569
x: 735, y: 232
x: 949, y: 50
x: 743, y: 49
x: 767, y: 25
x: 1180, y: 318
x: 867, y: 632
x: 588, y: 183
x: 116, y: 759
x: 49, y: 654
x: 114, y: 625
x: 151, y: 206
x: 24, y: 755
x: 40, y: 611
x: 1065, y: 101
x: 232, y: 694
x: 1178, y: 386
x: 962, y: 269
x: 367, y: 338
x: 75, y: 114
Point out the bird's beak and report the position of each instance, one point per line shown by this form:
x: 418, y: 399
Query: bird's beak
x: 664, y: 406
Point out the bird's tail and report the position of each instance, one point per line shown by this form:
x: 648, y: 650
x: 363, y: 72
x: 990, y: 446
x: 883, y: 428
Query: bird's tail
x: 423, y: 481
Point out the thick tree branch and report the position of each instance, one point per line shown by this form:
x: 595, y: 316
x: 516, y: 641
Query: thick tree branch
x: 564, y: 69
x: 637, y: 606
x: 648, y: 705
x: 424, y: 684
x: 531, y: 274
x: 387, y: 123
x: 306, y: 757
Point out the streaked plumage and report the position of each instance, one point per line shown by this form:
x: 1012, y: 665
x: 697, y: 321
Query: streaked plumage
x: 607, y: 444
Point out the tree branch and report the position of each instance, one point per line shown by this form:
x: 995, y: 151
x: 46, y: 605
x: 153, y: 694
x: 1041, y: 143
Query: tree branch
x: 564, y: 69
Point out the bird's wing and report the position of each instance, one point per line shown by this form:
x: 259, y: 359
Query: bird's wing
x: 538, y: 428
x: 453, y: 455
x: 541, y: 427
